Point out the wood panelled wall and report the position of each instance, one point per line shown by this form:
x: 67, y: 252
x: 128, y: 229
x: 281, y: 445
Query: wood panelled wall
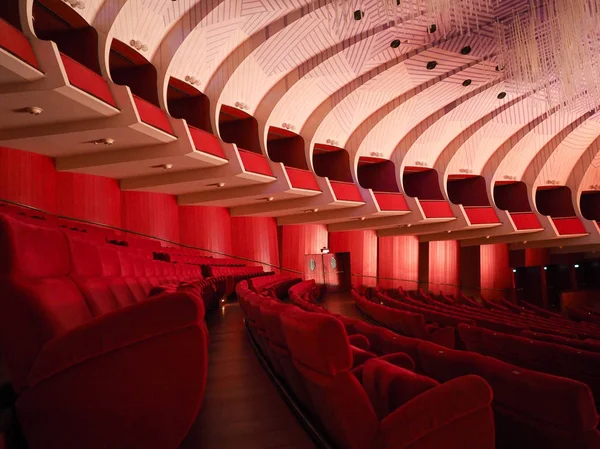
x: 153, y: 214
x: 443, y: 266
x: 31, y: 179
x: 362, y: 246
x: 255, y: 238
x: 91, y: 198
x: 205, y: 227
x: 399, y: 258
x: 496, y: 274
x: 298, y: 240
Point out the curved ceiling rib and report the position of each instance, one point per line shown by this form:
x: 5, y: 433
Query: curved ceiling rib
x: 389, y: 89
x: 296, y: 47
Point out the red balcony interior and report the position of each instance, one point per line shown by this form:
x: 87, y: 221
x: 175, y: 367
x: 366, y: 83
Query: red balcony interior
x: 15, y: 42
x: 302, y: 179
x: 255, y: 163
x: 525, y: 220
x: 436, y: 209
x: 569, y: 225
x: 206, y: 142
x: 481, y: 215
x: 87, y: 80
x: 346, y: 191
x: 389, y: 201
x: 152, y: 115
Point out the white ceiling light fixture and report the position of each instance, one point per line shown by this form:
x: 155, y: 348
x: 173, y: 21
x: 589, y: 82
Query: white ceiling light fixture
x: 79, y: 4
x: 138, y: 45
x: 34, y: 110
x: 192, y: 80
x: 105, y: 141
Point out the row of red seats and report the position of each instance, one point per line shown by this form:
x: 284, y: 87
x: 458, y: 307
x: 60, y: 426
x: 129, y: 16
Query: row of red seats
x: 100, y: 234
x: 532, y: 410
x: 406, y: 323
x: 307, y: 291
x: 362, y: 400
x: 547, y: 357
x: 95, y: 361
x: 500, y: 320
x: 276, y: 285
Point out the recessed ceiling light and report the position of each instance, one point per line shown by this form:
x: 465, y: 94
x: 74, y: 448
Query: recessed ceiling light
x: 106, y: 141
x: 395, y: 43
x: 501, y: 95
x: 221, y: 184
x: 362, y: 218
x: 431, y: 65
x: 315, y: 210
x: 358, y: 14
x: 167, y: 166
x: 466, y: 83
x: 499, y: 68
x: 34, y: 110
x: 465, y: 50
x: 449, y: 232
x: 432, y: 28
x: 270, y: 198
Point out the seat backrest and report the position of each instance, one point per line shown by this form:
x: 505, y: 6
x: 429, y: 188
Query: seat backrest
x: 321, y: 352
x: 38, y: 301
x: 555, y: 402
x: 86, y: 271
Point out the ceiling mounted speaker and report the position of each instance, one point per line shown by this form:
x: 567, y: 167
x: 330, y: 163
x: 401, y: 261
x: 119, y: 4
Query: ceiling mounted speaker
x: 466, y: 83
x: 395, y: 43
x: 431, y: 65
x: 465, y: 50
x: 432, y: 28
x: 501, y: 95
x: 358, y: 14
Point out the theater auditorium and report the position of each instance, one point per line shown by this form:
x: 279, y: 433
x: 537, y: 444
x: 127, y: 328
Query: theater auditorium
x: 299, y: 224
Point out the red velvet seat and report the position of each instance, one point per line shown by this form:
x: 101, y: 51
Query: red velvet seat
x: 454, y: 415
x: 533, y: 410
x: 87, y: 374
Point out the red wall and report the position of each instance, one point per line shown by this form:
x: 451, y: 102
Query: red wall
x: 496, y: 273
x: 399, y: 258
x: 298, y: 240
x: 152, y: 214
x: 205, y: 227
x: 255, y: 238
x: 362, y: 246
x: 443, y: 266
x: 91, y: 198
x: 27, y: 178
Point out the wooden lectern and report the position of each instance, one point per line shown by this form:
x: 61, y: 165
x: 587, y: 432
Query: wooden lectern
x: 331, y: 269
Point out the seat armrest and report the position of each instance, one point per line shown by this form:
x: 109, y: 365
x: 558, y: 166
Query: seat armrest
x: 359, y: 356
x: 360, y: 341
x: 123, y: 327
x: 399, y: 359
x: 434, y: 409
x: 445, y: 337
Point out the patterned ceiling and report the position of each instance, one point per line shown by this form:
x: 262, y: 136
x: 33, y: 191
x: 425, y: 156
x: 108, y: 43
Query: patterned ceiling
x: 309, y: 67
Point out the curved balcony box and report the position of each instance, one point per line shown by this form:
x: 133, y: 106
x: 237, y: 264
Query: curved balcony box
x: 569, y: 226
x: 481, y: 215
x: 17, y: 59
x: 206, y: 142
x: 302, y: 179
x: 436, y: 209
x: 154, y: 120
x: 255, y: 163
x: 525, y: 220
x: 346, y: 191
x: 391, y: 201
x: 87, y: 80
